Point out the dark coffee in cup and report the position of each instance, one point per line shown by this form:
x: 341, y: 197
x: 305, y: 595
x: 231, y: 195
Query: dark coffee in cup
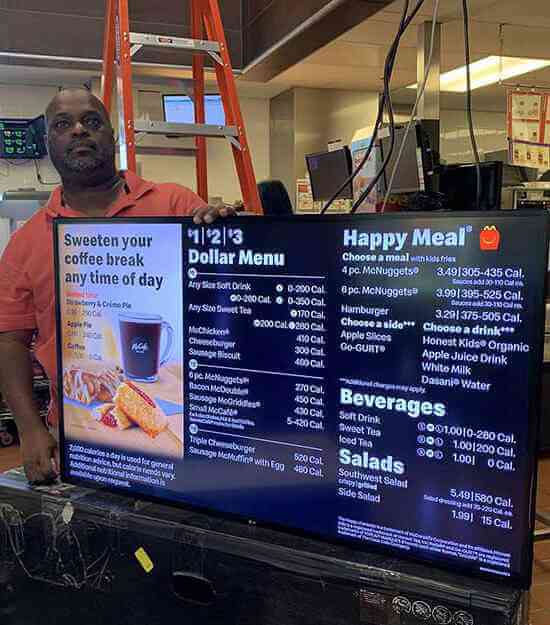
x: 140, y: 343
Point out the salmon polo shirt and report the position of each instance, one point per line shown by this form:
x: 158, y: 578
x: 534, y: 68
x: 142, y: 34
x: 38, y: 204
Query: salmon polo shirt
x: 27, y: 285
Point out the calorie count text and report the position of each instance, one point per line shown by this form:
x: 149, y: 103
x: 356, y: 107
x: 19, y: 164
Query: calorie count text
x: 309, y: 411
x: 467, y: 271
x: 496, y: 451
x: 485, y: 519
x: 308, y: 344
x: 487, y: 316
x: 487, y: 509
x: 456, y: 293
x: 462, y: 431
x: 309, y: 465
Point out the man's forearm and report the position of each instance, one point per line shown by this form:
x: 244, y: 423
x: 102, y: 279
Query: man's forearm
x: 16, y: 374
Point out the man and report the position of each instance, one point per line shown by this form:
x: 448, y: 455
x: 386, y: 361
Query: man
x: 82, y: 148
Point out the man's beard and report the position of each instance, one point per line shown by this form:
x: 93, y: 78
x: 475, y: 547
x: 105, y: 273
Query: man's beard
x: 81, y: 165
x: 94, y: 166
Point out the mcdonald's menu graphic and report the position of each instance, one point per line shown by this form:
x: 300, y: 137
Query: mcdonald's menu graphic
x: 489, y: 239
x: 323, y: 380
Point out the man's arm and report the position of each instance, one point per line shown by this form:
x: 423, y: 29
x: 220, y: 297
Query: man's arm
x: 38, y: 446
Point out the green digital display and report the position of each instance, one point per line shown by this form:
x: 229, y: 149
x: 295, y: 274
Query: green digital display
x: 22, y: 138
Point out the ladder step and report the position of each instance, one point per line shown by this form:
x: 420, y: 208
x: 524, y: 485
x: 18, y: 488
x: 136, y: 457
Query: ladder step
x: 162, y: 41
x: 185, y: 130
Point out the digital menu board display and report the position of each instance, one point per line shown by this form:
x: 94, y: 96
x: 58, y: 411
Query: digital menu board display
x: 368, y: 379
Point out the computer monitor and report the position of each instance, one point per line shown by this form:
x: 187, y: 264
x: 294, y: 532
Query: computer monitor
x: 23, y: 138
x: 327, y: 172
x: 512, y: 175
x: 180, y: 109
x: 415, y: 169
x: 459, y: 183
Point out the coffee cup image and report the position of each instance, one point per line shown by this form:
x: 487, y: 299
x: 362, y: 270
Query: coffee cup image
x: 141, y: 338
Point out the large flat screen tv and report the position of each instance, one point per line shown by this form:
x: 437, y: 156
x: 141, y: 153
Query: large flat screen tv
x: 369, y: 379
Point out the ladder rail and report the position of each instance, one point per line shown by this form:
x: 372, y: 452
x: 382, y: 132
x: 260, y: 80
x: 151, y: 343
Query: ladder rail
x: 196, y: 44
x: 119, y: 46
x: 127, y: 138
x: 226, y: 81
x: 185, y: 130
x: 108, y: 55
x: 201, y: 162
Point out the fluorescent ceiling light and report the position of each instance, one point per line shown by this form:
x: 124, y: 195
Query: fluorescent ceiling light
x: 488, y: 71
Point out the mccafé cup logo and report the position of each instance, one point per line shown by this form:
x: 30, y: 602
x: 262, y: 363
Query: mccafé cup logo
x: 140, y: 346
x: 489, y: 239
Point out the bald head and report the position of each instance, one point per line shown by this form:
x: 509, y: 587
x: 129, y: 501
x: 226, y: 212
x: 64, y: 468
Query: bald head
x: 77, y: 94
x: 80, y: 138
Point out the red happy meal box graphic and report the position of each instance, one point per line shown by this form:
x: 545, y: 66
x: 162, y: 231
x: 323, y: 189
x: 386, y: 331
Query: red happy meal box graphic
x: 489, y: 239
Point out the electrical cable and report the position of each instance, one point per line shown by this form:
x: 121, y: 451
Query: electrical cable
x: 469, y: 101
x: 415, y: 107
x: 388, y: 69
x: 387, y: 98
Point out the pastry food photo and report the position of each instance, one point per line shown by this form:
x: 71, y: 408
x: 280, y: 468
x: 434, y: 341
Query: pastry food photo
x: 112, y: 417
x: 91, y: 382
x: 141, y: 409
x: 103, y: 407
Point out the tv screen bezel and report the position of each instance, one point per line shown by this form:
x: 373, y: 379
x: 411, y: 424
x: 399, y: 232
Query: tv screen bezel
x: 520, y: 580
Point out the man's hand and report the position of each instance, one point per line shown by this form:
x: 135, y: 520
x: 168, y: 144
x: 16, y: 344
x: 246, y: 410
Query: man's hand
x: 40, y: 455
x: 37, y: 444
x: 208, y: 214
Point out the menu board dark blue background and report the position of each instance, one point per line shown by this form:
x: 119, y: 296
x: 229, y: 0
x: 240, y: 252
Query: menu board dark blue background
x: 370, y: 379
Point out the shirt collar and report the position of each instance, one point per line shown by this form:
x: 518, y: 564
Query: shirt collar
x: 135, y: 188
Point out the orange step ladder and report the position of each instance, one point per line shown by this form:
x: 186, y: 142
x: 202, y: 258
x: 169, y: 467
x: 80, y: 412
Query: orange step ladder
x: 120, y: 45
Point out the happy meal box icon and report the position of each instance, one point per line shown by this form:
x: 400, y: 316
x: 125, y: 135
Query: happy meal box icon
x: 489, y: 239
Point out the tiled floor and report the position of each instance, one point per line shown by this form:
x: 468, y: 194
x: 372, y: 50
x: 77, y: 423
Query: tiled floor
x: 540, y: 595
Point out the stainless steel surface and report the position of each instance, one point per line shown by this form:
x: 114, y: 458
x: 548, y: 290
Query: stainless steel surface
x: 162, y: 41
x: 282, y: 136
x: 40, y: 196
x: 21, y: 205
x: 185, y: 130
x: 165, y: 151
